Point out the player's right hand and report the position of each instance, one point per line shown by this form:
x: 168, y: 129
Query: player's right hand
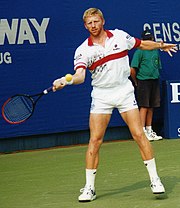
x: 58, y: 84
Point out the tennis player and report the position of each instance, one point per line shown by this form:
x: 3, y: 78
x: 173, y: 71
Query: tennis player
x: 105, y: 54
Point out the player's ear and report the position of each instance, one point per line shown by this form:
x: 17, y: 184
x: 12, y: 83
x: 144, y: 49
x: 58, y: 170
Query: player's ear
x: 85, y: 26
x: 103, y: 21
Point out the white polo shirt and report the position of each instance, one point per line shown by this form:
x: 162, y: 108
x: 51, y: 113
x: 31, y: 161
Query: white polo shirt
x: 109, y: 65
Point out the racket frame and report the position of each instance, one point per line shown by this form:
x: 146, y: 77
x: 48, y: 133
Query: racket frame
x: 30, y: 97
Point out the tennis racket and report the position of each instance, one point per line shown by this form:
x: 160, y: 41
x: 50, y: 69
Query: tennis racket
x: 20, y: 107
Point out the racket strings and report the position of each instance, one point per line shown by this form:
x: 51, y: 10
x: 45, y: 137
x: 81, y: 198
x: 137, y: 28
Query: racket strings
x: 18, y: 108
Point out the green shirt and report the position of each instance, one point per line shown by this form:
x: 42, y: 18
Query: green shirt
x: 148, y: 64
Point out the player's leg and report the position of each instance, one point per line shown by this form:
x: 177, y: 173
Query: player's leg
x: 133, y: 121
x: 98, y: 124
x: 143, y: 114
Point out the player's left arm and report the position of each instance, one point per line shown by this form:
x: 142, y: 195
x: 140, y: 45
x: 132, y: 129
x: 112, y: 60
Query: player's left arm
x: 150, y: 45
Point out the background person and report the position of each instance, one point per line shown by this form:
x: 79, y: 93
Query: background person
x: 145, y: 72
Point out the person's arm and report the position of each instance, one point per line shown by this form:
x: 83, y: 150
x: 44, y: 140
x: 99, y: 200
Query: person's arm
x: 150, y: 45
x: 78, y: 78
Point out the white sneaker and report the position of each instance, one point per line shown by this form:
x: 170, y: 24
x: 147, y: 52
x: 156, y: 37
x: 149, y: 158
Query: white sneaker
x: 152, y: 136
x: 87, y: 195
x: 157, y: 187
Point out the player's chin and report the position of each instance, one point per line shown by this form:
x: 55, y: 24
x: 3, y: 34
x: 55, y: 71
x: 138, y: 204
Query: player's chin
x: 95, y: 33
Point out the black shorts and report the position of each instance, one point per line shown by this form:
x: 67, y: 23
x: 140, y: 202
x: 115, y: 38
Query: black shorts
x: 148, y: 93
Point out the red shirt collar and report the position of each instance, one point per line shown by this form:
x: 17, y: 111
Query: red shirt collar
x: 109, y: 34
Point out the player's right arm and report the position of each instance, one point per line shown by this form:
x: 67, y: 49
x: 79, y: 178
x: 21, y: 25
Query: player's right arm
x: 77, y: 78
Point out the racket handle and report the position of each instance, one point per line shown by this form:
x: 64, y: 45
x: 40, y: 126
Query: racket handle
x: 46, y: 91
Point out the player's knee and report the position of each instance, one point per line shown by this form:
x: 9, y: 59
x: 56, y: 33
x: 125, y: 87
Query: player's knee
x: 138, y: 136
x: 96, y: 142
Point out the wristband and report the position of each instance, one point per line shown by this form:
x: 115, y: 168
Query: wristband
x: 69, y: 83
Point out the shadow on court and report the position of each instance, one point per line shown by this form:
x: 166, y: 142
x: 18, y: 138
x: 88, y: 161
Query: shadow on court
x: 169, y: 182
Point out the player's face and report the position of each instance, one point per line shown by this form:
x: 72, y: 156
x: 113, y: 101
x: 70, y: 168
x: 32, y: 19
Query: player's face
x: 94, y: 24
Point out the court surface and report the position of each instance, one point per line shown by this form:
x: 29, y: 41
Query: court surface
x: 52, y: 178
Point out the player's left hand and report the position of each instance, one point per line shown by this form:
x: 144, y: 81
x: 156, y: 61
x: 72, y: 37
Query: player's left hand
x: 168, y: 47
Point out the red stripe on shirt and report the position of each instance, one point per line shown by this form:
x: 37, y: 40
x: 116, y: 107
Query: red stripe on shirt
x: 79, y: 66
x: 108, y: 58
x: 137, y: 43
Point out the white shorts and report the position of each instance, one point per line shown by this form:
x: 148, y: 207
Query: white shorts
x: 104, y: 100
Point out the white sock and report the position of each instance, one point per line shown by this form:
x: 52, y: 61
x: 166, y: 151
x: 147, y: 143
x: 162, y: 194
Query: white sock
x: 90, y: 178
x: 151, y: 168
x: 148, y: 129
x: 144, y: 129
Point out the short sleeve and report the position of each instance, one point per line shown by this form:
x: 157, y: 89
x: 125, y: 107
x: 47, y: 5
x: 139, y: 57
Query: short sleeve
x: 80, y: 58
x: 132, y: 42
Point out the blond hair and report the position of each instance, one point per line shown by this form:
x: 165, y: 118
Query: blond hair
x: 92, y: 11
